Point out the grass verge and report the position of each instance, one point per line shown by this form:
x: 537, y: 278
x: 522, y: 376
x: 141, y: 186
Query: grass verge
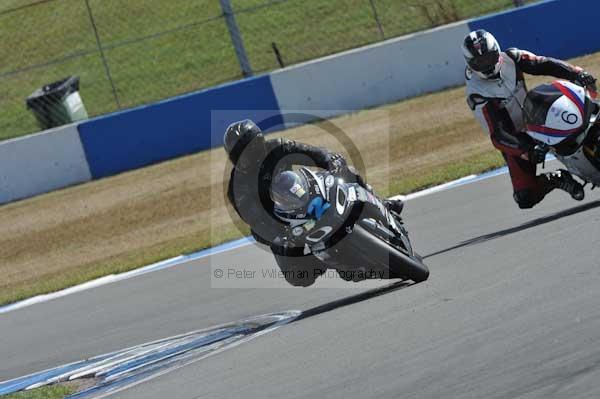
x: 147, y: 255
x: 50, y: 392
x: 451, y: 171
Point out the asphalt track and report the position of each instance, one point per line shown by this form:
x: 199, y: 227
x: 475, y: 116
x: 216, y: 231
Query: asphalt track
x: 511, y: 310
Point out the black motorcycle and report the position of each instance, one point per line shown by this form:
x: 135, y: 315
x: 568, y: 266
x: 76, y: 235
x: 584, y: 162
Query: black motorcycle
x: 356, y: 235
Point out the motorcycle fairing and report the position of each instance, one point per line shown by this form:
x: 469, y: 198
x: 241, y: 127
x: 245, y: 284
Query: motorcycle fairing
x: 555, y: 112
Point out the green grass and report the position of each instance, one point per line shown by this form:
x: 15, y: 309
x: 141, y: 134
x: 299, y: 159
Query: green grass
x: 157, y: 49
x: 51, y: 392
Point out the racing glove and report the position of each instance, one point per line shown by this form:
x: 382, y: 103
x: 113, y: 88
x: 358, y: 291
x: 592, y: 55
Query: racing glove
x: 340, y: 167
x: 338, y: 164
x: 585, y: 79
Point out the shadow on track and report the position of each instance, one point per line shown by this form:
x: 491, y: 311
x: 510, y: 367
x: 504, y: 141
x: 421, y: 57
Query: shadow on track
x: 516, y: 229
x: 363, y: 296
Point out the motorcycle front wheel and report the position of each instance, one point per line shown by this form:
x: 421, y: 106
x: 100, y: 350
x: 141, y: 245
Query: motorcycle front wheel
x: 377, y: 250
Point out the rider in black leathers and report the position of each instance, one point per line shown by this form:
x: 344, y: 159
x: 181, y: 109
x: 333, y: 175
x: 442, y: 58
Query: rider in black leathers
x: 256, y: 161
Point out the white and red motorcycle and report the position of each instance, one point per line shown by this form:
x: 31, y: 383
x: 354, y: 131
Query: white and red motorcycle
x: 565, y: 117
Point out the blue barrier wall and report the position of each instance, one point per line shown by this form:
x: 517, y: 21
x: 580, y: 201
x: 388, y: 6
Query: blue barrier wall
x: 146, y: 135
x: 556, y: 28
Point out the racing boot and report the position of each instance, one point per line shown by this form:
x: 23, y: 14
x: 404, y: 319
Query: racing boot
x: 563, y: 180
x: 394, y: 205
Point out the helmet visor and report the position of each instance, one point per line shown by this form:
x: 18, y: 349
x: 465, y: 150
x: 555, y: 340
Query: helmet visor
x: 485, y: 63
x: 289, y: 191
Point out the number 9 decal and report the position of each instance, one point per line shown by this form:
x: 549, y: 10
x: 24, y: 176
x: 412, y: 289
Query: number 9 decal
x: 569, y: 117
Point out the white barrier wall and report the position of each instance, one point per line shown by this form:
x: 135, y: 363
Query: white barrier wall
x: 382, y: 73
x: 40, y: 163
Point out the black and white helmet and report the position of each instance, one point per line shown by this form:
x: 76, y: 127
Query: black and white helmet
x: 482, y: 53
x: 244, y: 136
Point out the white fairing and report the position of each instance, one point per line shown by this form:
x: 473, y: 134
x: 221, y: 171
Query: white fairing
x: 558, y: 119
x: 579, y: 165
x: 580, y: 91
x: 564, y: 117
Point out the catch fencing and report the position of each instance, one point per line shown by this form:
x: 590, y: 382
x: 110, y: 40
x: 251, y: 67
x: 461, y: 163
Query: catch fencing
x: 129, y: 53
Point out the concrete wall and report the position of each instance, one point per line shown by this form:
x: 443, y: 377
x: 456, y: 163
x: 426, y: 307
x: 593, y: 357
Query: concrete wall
x: 382, y: 73
x: 168, y: 129
x: 431, y: 60
x: 42, y: 162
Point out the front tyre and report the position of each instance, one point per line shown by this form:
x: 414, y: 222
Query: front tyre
x: 379, y: 251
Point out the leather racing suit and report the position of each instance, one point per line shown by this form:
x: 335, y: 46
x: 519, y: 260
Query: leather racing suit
x: 497, y: 105
x: 248, y: 192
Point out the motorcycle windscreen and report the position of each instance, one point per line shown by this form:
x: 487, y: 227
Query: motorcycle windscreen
x: 555, y: 112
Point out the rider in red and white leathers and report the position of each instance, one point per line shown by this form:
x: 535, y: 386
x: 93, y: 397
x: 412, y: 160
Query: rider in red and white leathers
x: 495, y: 93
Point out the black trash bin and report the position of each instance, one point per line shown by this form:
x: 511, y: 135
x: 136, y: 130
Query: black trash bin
x: 57, y: 103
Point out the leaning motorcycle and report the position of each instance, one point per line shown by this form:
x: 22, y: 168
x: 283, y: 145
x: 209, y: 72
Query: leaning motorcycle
x: 357, y: 234
x: 563, y: 117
